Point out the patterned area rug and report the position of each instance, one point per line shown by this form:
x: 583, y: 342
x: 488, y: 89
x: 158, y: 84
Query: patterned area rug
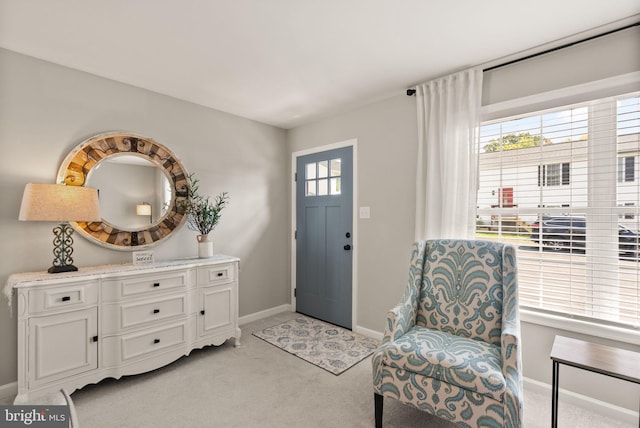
x: 325, y: 345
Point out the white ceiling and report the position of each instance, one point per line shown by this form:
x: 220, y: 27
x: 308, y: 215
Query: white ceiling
x: 289, y: 62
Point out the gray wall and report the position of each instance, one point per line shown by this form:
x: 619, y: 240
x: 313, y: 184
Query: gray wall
x: 46, y: 110
x: 387, y: 148
x: 613, y: 55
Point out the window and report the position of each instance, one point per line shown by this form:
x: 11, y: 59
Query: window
x: 554, y: 174
x: 628, y: 214
x: 323, y: 178
x: 572, y: 207
x: 626, y: 169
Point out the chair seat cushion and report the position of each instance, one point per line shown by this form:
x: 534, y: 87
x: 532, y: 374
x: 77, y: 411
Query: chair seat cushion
x: 470, y: 364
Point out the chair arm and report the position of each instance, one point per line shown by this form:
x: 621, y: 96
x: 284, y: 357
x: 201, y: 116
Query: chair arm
x: 400, y: 319
x: 511, y: 353
x: 512, y: 370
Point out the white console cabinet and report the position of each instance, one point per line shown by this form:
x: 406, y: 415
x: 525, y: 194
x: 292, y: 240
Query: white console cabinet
x: 80, y: 327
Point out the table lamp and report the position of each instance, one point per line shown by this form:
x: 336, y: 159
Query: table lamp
x: 144, y: 209
x: 60, y: 203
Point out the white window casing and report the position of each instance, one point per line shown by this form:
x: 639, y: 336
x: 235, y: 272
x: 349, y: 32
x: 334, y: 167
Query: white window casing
x: 574, y: 172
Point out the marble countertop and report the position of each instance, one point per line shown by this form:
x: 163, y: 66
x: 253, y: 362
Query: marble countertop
x: 28, y: 278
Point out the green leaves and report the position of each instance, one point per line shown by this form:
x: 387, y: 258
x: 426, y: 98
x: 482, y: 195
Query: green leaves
x: 513, y: 141
x: 202, y: 214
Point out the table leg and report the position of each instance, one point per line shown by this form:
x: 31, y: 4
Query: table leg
x: 554, y: 395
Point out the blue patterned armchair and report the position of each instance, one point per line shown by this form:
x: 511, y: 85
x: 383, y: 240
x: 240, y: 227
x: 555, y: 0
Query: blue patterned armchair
x: 452, y: 346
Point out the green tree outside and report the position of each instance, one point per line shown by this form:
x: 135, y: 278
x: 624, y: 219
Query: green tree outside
x: 515, y: 141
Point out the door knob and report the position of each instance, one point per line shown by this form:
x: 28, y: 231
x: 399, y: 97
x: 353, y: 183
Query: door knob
x: 347, y: 247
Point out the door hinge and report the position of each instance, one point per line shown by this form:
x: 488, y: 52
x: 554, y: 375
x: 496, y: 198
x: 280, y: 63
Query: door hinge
x: 295, y: 234
x: 295, y: 292
x: 94, y: 339
x: 295, y: 176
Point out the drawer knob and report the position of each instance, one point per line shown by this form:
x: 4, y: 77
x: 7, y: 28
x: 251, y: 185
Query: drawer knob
x: 156, y: 311
x: 220, y: 274
x: 156, y: 284
x: 202, y: 312
x: 94, y: 338
x: 66, y: 298
x: 156, y: 341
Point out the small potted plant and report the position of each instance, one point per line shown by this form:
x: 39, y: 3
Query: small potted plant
x: 202, y: 214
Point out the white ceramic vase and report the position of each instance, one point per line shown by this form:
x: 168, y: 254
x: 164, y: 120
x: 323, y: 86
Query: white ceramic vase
x: 205, y: 247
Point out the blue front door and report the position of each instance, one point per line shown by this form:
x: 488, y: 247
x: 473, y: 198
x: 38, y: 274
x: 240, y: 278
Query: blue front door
x: 324, y: 238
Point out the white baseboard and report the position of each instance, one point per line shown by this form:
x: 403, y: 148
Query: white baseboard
x: 264, y: 314
x: 609, y: 410
x: 8, y: 392
x: 289, y: 308
x: 368, y: 332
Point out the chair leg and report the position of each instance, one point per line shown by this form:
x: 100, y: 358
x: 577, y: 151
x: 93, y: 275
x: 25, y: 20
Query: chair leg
x: 378, y: 403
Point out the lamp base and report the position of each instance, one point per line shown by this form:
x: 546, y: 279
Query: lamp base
x: 60, y: 269
x: 62, y: 249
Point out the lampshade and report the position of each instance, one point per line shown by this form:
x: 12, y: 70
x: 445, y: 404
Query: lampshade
x: 60, y: 203
x: 143, y: 209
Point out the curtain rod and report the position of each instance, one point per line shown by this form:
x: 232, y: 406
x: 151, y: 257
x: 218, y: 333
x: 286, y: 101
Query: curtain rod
x: 557, y: 48
x: 412, y: 91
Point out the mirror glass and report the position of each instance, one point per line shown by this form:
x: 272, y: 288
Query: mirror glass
x: 141, y: 186
x: 134, y: 193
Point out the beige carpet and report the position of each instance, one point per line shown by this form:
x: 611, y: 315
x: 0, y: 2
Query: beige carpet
x: 258, y: 385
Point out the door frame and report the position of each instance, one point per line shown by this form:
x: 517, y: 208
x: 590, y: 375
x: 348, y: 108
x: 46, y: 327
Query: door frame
x: 353, y: 143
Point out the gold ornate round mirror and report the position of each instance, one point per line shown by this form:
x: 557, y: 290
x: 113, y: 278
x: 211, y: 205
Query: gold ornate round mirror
x: 140, y: 184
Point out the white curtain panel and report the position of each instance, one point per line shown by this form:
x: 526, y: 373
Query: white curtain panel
x: 447, y: 178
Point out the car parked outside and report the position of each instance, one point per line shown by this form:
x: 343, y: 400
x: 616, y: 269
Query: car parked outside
x: 569, y: 232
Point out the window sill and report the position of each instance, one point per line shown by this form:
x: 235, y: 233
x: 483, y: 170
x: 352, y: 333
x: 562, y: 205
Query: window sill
x: 630, y: 335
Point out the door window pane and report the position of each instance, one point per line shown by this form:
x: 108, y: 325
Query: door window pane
x: 310, y: 188
x: 311, y: 171
x: 323, y: 187
x: 336, y: 167
x: 335, y: 186
x: 323, y: 169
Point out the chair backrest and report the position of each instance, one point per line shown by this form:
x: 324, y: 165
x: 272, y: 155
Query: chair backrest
x: 462, y: 288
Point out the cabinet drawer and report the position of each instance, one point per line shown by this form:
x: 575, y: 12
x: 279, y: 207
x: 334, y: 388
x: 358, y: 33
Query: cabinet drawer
x: 68, y: 296
x: 141, y: 344
x: 117, y: 317
x: 216, y: 274
x: 114, y: 289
